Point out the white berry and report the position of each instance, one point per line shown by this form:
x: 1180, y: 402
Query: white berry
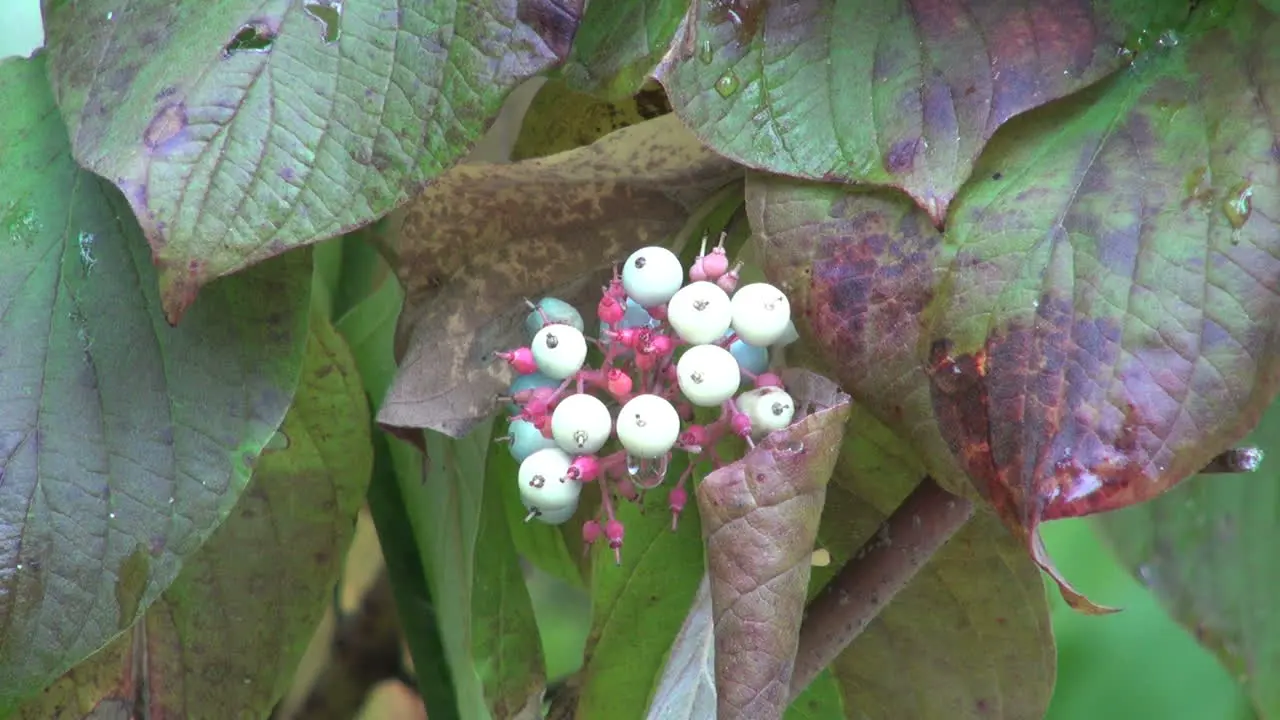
x: 700, y: 312
x: 708, y: 375
x: 648, y: 426
x: 558, y: 517
x: 559, y: 350
x: 770, y: 408
x: 581, y: 424
x: 545, y: 487
x: 789, y: 336
x: 761, y: 313
x: 652, y: 275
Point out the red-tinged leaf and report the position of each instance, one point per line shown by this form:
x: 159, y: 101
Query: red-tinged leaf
x: 1096, y: 326
x: 760, y: 518
x: 903, y: 94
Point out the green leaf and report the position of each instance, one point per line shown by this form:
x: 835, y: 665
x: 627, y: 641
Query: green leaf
x: 490, y: 637
x: 619, y: 43
x: 482, y: 238
x: 760, y: 515
x: 231, y: 629
x: 414, y: 604
x: 638, y: 607
x: 970, y: 636
x: 820, y: 701
x: 1137, y: 663
x: 886, y: 91
x: 1205, y: 549
x: 124, y: 442
x: 240, y: 129
x: 1094, y: 318
x: 369, y: 328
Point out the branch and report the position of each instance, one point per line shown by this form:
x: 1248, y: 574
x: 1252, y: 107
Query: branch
x: 881, y: 568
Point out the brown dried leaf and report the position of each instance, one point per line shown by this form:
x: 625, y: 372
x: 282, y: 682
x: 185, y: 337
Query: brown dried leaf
x: 484, y: 237
x: 760, y: 519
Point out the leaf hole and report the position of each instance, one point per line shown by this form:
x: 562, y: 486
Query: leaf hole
x: 329, y: 14
x: 254, y: 37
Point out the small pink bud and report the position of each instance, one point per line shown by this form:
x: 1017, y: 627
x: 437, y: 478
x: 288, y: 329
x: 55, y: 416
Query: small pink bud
x: 695, y: 436
x: 716, y: 264
x: 619, y: 383
x: 591, y: 531
x: 613, y: 532
x: 543, y: 423
x: 696, y: 273
x: 658, y: 312
x: 615, y: 289
x: 677, y: 500
x: 626, y: 337
x: 627, y: 489
x: 521, y: 360
x: 728, y: 282
x: 740, y: 424
x: 609, y: 310
x: 584, y: 468
x: 768, y: 379
x: 645, y: 361
x: 660, y: 344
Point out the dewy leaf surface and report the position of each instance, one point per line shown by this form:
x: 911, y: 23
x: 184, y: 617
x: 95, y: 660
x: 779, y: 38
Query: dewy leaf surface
x: 240, y: 129
x: 124, y: 442
x: 892, y: 92
x: 1096, y: 313
x: 970, y: 637
x: 760, y: 519
x: 484, y: 237
x: 230, y: 631
x: 619, y: 44
x: 1206, y: 550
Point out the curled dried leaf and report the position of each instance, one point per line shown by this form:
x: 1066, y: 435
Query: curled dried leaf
x: 760, y: 519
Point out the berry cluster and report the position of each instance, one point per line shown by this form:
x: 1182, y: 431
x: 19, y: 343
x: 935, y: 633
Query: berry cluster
x: 668, y: 347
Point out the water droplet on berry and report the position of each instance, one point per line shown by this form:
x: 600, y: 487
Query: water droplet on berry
x: 633, y: 464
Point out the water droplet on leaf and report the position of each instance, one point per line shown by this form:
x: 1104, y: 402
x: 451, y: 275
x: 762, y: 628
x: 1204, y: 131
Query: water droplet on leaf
x: 727, y: 84
x: 705, y: 53
x: 1169, y: 38
x: 1238, y: 205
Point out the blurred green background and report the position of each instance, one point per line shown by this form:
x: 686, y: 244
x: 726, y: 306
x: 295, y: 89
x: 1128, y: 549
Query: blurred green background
x: 1132, y: 665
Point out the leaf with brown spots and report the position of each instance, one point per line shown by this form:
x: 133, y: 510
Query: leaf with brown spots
x: 1094, y: 321
x: 241, y: 129
x: 483, y: 237
x: 902, y: 93
x: 760, y: 518
x: 1206, y: 550
x: 969, y: 638
x: 227, y: 635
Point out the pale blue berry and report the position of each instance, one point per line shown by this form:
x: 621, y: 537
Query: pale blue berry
x: 526, y: 440
x: 557, y: 311
x: 751, y: 358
